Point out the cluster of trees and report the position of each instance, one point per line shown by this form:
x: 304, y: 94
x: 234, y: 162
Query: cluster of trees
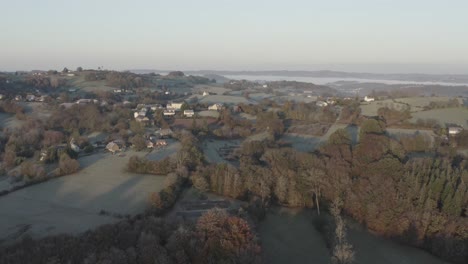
x: 215, y: 238
x: 350, y: 112
x: 39, y: 81
x: 13, y: 108
x: 394, y: 117
x: 231, y: 127
x: 422, y: 201
x: 441, y: 104
x: 417, y: 142
x: 124, y: 80
x: 309, y: 112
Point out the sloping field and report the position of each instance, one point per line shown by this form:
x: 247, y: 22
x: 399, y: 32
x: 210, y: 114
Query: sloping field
x: 444, y: 116
x: 216, y: 150
x: 212, y: 99
x: 9, y: 121
x: 72, y: 203
x: 90, y: 86
x: 289, y: 236
x: 417, y: 103
x: 210, y: 89
x: 370, y: 108
x: 160, y: 153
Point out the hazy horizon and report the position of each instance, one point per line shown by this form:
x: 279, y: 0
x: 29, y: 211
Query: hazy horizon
x: 375, y: 36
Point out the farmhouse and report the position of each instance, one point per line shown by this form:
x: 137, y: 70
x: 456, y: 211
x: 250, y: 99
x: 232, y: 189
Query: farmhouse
x: 369, y: 99
x: 454, y: 130
x: 215, y: 107
x: 174, y: 106
x: 188, y: 113
x: 205, y: 93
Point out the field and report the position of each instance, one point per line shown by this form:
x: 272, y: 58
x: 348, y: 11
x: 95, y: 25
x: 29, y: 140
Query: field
x: 170, y: 150
x: 444, y: 116
x: 210, y: 89
x: 9, y: 121
x: 417, y: 104
x: 226, y: 99
x: 302, y: 143
x: 215, y: 150
x: 72, y: 203
x: 187, y: 123
x: 289, y: 236
x: 90, y: 86
x: 370, y: 108
x: 209, y: 113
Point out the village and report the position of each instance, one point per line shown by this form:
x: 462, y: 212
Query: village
x: 104, y: 151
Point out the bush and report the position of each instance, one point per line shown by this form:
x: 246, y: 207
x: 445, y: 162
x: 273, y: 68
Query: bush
x: 68, y: 165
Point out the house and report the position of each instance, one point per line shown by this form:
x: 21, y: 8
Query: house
x: 117, y: 90
x: 369, y: 99
x: 174, y: 106
x: 18, y: 98
x: 321, y: 103
x: 188, y: 113
x: 30, y: 97
x: 41, y: 98
x: 215, y: 107
x: 205, y: 93
x: 169, y: 112
x: 331, y: 101
x: 113, y: 147
x: 142, y: 119
x: 72, y: 90
x: 454, y: 130
x: 86, y: 101
x: 160, y: 143
x: 164, y: 133
x: 149, y: 144
x: 2, y: 96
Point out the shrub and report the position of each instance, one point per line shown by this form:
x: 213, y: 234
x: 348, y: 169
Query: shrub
x: 68, y: 165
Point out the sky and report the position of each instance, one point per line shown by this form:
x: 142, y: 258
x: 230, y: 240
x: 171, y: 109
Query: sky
x: 429, y: 36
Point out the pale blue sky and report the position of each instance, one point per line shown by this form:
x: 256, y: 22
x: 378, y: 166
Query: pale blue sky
x: 234, y: 34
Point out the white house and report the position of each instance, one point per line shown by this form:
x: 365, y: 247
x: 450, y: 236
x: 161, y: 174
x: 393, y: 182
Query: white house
x: 369, y: 99
x: 188, y: 113
x: 452, y: 131
x: 174, y: 106
x: 169, y: 112
x: 321, y: 103
x: 86, y: 101
x: 1, y: 96
x: 215, y: 107
x: 205, y: 93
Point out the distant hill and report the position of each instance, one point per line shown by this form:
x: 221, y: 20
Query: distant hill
x: 414, y: 77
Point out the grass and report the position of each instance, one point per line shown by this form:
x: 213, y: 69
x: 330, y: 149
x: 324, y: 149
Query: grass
x: 71, y: 204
